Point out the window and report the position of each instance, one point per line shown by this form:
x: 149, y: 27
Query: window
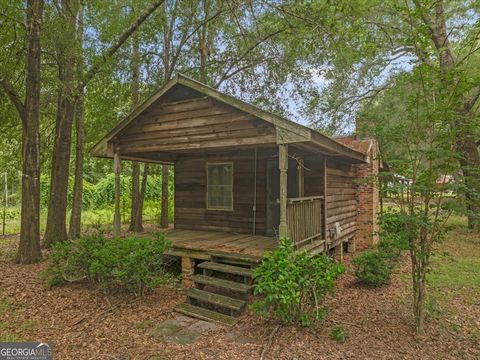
x: 220, y: 186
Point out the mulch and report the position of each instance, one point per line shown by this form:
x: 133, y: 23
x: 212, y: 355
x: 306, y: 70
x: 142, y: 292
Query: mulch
x: 85, y: 323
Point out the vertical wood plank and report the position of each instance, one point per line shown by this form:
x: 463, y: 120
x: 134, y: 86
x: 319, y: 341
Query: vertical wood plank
x: 116, y: 216
x: 301, y: 176
x: 283, y: 167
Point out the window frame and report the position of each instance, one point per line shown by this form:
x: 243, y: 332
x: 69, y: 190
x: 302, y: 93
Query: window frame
x: 207, y: 202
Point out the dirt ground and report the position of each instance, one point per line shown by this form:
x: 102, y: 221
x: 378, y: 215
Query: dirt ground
x: 84, y: 323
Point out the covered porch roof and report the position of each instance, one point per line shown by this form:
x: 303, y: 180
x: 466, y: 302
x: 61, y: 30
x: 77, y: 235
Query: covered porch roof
x: 186, y: 116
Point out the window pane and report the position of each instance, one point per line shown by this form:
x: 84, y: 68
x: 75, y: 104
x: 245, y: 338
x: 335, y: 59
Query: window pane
x: 219, y: 187
x: 214, y: 175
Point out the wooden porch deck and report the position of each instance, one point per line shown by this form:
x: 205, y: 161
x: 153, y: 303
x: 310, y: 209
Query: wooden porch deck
x: 197, y: 244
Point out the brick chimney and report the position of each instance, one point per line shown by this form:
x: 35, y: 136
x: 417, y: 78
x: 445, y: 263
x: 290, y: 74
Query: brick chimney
x: 368, y: 199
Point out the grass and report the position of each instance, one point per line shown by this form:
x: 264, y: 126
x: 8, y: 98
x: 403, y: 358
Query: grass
x: 339, y: 334
x: 454, y: 280
x: 456, y: 261
x: 98, y: 219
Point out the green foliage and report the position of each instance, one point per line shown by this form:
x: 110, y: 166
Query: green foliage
x: 339, y: 334
x: 374, y: 267
x: 134, y: 263
x: 70, y: 261
x: 294, y: 284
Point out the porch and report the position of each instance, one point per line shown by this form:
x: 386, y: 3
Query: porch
x: 197, y: 244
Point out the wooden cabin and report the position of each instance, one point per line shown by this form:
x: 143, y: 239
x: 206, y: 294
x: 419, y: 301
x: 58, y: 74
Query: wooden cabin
x: 245, y: 177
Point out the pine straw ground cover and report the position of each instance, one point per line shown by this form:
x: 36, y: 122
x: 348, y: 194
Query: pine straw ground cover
x: 84, y: 323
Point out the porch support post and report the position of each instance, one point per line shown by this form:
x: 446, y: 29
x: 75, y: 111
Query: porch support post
x: 283, y: 166
x: 116, y: 216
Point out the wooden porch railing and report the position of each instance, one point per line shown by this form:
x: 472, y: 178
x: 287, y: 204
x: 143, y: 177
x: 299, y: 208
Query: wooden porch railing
x: 304, y: 219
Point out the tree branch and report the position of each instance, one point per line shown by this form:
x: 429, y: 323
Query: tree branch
x: 470, y: 103
x: 227, y: 75
x: 14, y: 97
x: 95, y: 68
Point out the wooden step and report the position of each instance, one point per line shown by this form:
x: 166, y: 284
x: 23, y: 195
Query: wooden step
x: 229, y: 269
x: 216, y: 299
x: 204, y: 314
x: 239, y: 259
x: 223, y: 284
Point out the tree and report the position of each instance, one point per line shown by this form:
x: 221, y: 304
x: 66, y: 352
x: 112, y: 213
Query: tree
x: 401, y: 68
x: 464, y: 94
x: 68, y: 95
x: 79, y: 118
x: 134, y: 225
x: 424, y: 156
x: 29, y: 113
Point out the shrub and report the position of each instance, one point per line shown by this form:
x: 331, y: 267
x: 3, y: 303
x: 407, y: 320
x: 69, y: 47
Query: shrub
x: 69, y: 261
x: 134, y: 264
x: 374, y: 267
x: 339, y: 334
x: 294, y: 284
x: 393, y: 234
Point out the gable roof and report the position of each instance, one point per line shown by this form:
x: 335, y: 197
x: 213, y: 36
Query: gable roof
x: 287, y: 131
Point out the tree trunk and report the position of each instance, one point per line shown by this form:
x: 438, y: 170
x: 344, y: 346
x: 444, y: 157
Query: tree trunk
x: 135, y: 195
x: 29, y: 246
x: 56, y: 229
x: 135, y: 165
x: 466, y: 144
x: 470, y: 162
x: 76, y: 214
x: 204, y: 43
x: 141, y: 198
x: 117, y: 226
x: 164, y: 212
x: 57, y: 207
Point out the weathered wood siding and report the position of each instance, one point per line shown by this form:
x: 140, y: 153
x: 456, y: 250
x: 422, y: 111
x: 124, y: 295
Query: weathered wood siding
x: 341, y: 198
x: 314, y: 180
x: 190, y: 194
x: 191, y: 125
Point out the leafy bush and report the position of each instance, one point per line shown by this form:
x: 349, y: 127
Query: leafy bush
x: 70, y: 261
x: 393, y: 234
x: 294, y: 284
x: 374, y: 267
x: 134, y: 264
x: 339, y: 334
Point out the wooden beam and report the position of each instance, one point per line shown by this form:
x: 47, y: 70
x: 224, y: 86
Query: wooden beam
x: 170, y: 161
x: 287, y: 136
x: 283, y: 166
x: 116, y: 216
x: 301, y: 176
x: 216, y: 143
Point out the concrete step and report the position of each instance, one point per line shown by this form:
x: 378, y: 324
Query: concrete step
x: 228, y: 269
x: 207, y: 315
x: 223, y: 284
x: 216, y: 299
